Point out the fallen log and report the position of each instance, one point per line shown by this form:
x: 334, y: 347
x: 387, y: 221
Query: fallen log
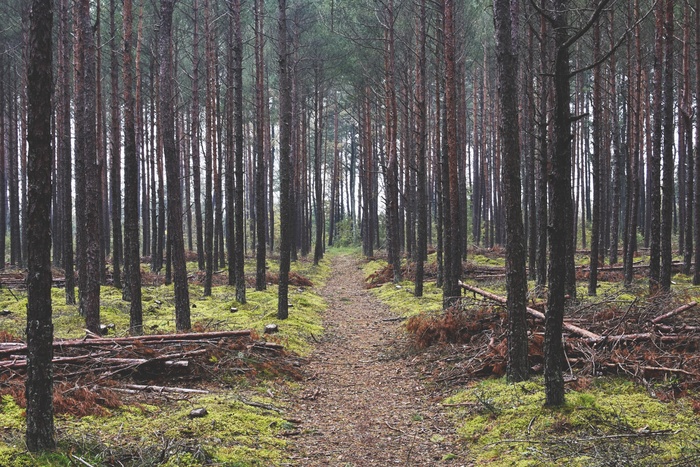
x: 143, y: 387
x: 643, y: 336
x: 677, y: 311
x: 531, y: 311
x: 146, y: 339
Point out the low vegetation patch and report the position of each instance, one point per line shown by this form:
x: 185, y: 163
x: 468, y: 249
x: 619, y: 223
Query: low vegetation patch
x: 604, y: 422
x: 132, y: 403
x: 632, y: 394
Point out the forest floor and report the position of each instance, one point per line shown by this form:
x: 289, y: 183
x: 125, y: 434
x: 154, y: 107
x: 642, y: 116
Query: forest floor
x: 363, y: 400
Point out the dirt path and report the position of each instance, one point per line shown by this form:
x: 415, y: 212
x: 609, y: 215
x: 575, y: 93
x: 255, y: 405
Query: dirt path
x: 363, y: 403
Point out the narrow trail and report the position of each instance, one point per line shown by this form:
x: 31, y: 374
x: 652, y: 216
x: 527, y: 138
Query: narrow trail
x: 362, y: 401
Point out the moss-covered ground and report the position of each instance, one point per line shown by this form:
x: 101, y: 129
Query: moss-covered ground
x: 611, y: 422
x: 245, y: 424
x: 606, y: 420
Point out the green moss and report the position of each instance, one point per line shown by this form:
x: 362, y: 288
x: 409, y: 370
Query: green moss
x: 232, y: 434
x: 11, y: 414
x: 482, y: 260
x: 402, y: 301
x: 507, y: 424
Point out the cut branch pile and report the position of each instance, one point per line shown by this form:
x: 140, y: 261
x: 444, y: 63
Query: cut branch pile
x: 646, y: 343
x: 158, y: 364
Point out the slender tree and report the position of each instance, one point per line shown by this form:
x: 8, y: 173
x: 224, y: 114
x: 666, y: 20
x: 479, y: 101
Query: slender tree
x: 260, y: 106
x: 453, y: 260
x: 196, y: 169
x: 88, y: 273
x: 115, y: 168
x: 421, y: 149
x: 318, y: 180
x: 64, y: 148
x: 668, y: 182
x: 285, y: 162
x: 516, y: 278
x: 654, y: 223
x: 172, y: 159
x: 39, y: 384
x: 561, y: 208
x: 132, y: 261
x: 696, y: 217
x: 210, y: 148
x: 239, y: 149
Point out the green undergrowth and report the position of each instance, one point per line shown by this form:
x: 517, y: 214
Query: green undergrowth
x: 610, y: 422
x: 232, y: 433
x: 220, y: 311
x: 400, y: 297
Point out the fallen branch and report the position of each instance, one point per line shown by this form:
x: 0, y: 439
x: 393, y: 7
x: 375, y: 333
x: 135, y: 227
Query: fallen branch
x: 142, y: 387
x: 532, y: 312
x: 147, y: 339
x: 677, y: 311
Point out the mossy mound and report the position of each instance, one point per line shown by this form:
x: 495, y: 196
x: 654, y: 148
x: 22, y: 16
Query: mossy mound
x: 610, y: 422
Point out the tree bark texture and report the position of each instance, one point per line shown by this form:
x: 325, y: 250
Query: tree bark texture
x: 516, y: 277
x: 39, y: 383
x: 132, y: 260
x: 172, y: 166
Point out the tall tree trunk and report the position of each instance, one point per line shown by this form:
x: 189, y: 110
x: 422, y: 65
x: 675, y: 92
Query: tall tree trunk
x: 596, y: 163
x: 115, y: 169
x: 285, y: 165
x: 210, y: 149
x: 696, y: 217
x: 318, y: 181
x: 132, y: 261
x: 687, y: 118
x: 89, y: 267
x: 559, y: 212
x: 616, y: 162
x: 39, y: 384
x: 260, y: 106
x: 392, y: 189
x: 421, y: 143
x: 64, y: 147
x: 172, y: 159
x: 13, y: 169
x: 230, y: 143
x: 239, y: 149
x: 196, y: 140
x: 453, y: 264
x: 668, y: 188
x: 3, y: 166
x: 516, y: 278
x: 634, y: 130
x: 655, y: 163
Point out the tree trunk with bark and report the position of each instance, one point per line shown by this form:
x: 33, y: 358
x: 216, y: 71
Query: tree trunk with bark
x: 668, y: 182
x: 421, y: 143
x: 88, y: 273
x: 115, y: 152
x: 260, y: 106
x: 516, y: 277
x: 239, y: 260
x: 182, y: 298
x: 286, y: 225
x: 132, y: 260
x: 453, y: 260
x: 39, y: 383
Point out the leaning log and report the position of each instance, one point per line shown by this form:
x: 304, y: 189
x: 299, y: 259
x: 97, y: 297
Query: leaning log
x: 677, y: 311
x: 531, y: 311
